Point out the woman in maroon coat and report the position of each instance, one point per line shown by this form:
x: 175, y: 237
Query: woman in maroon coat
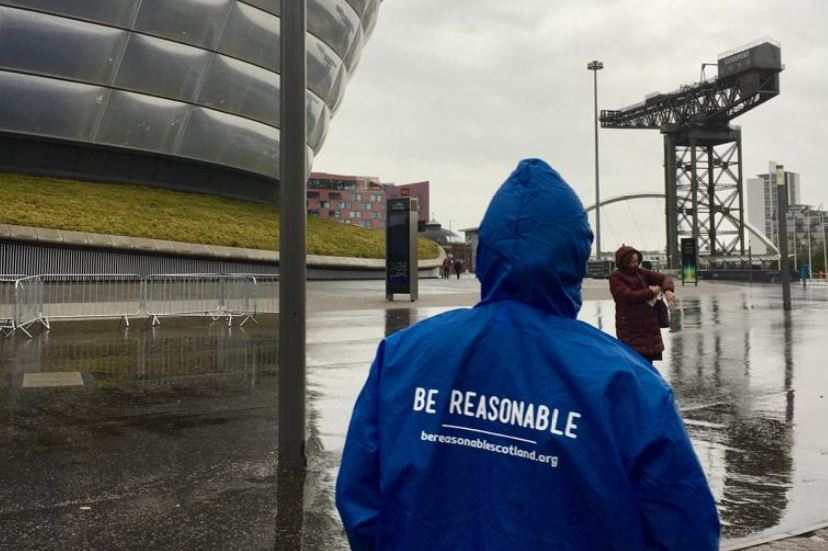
x: 636, y: 322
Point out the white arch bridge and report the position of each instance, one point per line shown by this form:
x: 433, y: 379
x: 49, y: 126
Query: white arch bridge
x: 633, y: 196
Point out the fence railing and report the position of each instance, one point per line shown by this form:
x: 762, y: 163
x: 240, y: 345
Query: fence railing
x: 28, y: 300
x: 22, y: 304
x: 264, y: 293
x: 92, y: 296
x: 7, y: 303
x: 167, y: 295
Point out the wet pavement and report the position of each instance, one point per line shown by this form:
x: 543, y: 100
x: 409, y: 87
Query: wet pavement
x: 164, y: 438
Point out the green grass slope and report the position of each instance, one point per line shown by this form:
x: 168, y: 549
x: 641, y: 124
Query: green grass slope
x: 140, y: 211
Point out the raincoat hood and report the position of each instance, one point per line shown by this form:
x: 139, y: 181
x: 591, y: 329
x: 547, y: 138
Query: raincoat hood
x: 534, y: 242
x: 623, y: 251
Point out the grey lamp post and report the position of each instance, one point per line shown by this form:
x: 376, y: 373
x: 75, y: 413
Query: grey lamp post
x: 293, y: 177
x: 596, y: 66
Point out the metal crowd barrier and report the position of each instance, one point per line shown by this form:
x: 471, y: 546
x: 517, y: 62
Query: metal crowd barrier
x: 27, y: 300
x: 266, y: 294
x: 237, y: 298
x: 92, y: 296
x: 261, y: 292
x: 28, y: 308
x: 168, y: 295
x: 7, y: 303
x: 214, y: 295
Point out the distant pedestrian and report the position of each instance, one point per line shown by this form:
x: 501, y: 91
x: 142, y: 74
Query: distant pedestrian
x: 634, y: 290
x: 447, y: 264
x: 458, y: 267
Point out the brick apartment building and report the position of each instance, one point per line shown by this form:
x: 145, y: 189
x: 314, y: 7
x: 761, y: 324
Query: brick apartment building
x: 358, y: 200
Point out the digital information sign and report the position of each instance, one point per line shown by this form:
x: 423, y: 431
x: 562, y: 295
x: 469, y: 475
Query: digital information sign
x: 688, y: 261
x: 401, y: 248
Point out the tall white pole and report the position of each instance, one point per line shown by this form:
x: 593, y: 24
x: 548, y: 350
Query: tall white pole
x: 824, y: 256
x: 810, y: 260
x: 796, y: 264
x: 596, y: 66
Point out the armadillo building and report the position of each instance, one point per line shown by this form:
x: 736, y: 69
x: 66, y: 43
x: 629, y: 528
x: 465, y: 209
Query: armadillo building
x: 182, y: 94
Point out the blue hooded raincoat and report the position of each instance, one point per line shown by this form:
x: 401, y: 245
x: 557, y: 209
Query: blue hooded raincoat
x: 512, y: 425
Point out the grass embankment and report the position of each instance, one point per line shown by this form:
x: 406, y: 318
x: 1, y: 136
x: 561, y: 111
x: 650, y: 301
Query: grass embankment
x: 139, y: 211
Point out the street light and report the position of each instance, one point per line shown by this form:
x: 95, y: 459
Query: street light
x: 596, y: 66
x: 824, y: 256
x: 810, y: 260
x: 822, y: 223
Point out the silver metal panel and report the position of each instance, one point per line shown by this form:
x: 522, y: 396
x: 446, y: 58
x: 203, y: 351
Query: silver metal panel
x: 142, y: 122
x: 47, y: 102
x: 359, y: 6
x: 231, y: 141
x: 252, y: 35
x: 149, y: 70
x: 338, y: 89
x: 238, y: 87
x: 333, y: 21
x: 163, y: 68
x: 352, y: 58
x: 197, y: 22
x: 113, y: 12
x: 318, y: 119
x: 272, y: 6
x: 51, y: 45
x: 323, y: 66
x: 370, y: 17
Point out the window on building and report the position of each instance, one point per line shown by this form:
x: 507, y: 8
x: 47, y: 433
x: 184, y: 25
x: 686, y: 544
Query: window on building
x: 367, y: 206
x: 339, y: 185
x: 313, y: 212
x: 357, y: 197
x: 313, y: 195
x: 335, y: 195
x: 334, y: 214
x: 353, y: 214
x: 367, y: 223
x: 345, y: 204
x: 325, y: 204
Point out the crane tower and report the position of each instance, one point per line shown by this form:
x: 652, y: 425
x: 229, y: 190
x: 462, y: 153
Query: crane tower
x: 702, y: 151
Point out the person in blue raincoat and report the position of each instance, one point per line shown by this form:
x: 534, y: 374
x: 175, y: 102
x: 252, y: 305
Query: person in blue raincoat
x: 512, y: 425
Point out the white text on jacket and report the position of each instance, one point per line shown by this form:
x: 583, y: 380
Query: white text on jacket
x: 500, y: 409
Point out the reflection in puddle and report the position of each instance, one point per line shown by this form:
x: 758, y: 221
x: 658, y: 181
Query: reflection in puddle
x: 742, y: 370
x: 174, y: 354
x: 398, y: 318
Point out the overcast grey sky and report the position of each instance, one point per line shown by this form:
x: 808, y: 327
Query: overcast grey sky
x: 457, y: 91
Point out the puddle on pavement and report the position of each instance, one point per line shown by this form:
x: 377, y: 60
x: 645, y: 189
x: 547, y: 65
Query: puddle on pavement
x: 750, y: 381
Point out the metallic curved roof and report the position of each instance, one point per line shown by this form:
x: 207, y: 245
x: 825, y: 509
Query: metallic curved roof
x: 197, y: 79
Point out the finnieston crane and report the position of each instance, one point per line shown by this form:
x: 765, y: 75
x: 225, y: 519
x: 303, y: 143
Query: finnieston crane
x: 702, y: 151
